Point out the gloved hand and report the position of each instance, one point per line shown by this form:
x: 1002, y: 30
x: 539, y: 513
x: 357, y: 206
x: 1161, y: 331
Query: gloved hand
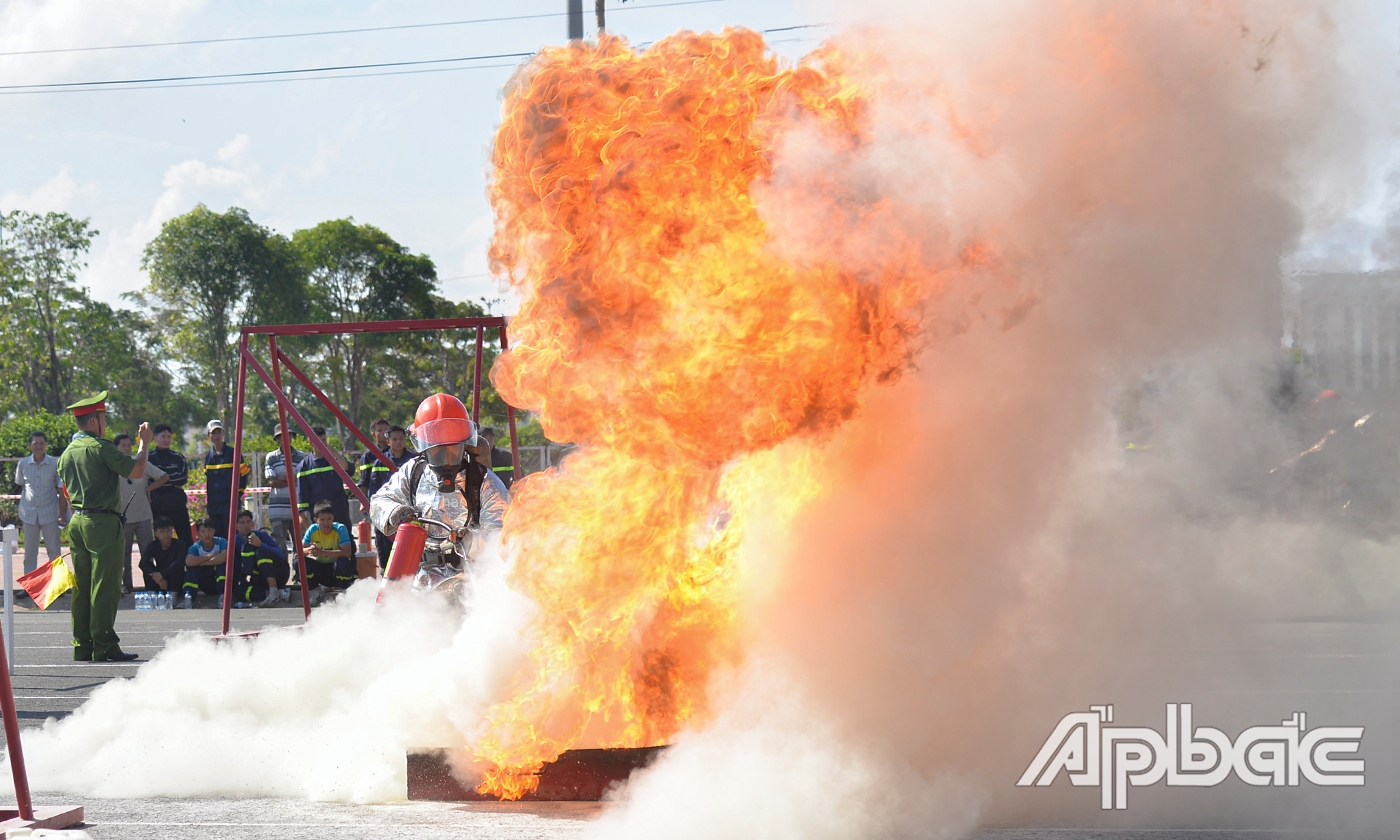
x: 400, y: 515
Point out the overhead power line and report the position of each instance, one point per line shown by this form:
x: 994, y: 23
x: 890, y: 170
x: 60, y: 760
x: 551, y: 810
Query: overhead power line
x: 157, y: 79
x: 356, y: 31
x: 271, y: 81
x: 301, y: 74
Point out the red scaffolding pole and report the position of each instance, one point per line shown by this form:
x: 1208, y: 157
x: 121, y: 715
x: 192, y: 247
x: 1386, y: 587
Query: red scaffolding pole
x: 285, y: 409
x: 290, y: 470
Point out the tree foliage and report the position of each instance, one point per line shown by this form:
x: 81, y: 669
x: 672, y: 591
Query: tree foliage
x: 174, y: 357
x: 359, y: 273
x: 58, y: 428
x: 56, y: 343
x: 38, y: 301
x: 210, y: 274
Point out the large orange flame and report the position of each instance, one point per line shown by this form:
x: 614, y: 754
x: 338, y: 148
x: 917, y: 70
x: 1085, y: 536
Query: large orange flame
x: 661, y: 331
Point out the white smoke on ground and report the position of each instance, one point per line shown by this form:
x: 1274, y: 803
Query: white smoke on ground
x: 989, y: 557
x: 324, y: 712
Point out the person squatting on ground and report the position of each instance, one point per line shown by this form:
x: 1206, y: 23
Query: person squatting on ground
x: 204, y: 563
x: 280, y: 518
x: 330, y: 554
x: 260, y: 568
x: 136, y: 509
x: 169, y: 500
x: 374, y: 475
x: 218, y: 476
x: 317, y: 481
x: 90, y: 467
x: 448, y: 481
x: 42, y: 508
x: 163, y: 558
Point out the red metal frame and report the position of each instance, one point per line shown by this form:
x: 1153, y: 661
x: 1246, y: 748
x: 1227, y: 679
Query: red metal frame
x: 12, y: 741
x: 273, y: 381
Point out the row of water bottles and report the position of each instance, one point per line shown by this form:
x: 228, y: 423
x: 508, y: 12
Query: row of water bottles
x: 155, y: 601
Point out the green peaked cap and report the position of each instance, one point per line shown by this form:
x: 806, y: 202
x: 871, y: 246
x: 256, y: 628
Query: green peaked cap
x: 89, y: 405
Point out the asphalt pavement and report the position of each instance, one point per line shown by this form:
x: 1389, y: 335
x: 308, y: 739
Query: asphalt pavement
x: 48, y: 683
x: 1339, y: 671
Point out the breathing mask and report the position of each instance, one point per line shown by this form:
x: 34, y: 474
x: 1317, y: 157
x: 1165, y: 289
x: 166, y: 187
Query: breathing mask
x: 446, y: 461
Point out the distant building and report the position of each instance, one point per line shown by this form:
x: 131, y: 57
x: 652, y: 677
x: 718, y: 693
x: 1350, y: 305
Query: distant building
x: 1348, y: 328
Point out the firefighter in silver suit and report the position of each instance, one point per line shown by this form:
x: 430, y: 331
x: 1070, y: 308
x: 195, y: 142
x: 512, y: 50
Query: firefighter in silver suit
x: 449, y: 487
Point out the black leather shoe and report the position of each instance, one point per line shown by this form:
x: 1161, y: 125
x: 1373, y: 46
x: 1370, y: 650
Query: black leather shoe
x: 82, y: 655
x: 117, y: 656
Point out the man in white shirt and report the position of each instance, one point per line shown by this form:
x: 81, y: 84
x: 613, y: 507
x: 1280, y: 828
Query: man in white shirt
x: 42, y: 507
x: 136, y: 508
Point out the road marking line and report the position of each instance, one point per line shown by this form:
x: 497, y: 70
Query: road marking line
x: 52, y: 697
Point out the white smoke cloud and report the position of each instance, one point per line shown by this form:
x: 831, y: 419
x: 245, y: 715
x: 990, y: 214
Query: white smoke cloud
x: 326, y: 712
x: 989, y: 557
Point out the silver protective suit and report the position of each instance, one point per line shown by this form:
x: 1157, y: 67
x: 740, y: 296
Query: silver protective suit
x: 449, y: 507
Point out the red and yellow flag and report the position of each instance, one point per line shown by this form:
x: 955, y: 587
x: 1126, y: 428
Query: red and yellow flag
x: 47, y: 582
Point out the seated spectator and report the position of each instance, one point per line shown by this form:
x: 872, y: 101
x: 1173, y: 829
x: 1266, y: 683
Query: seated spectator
x: 330, y: 554
x: 204, y: 564
x: 261, y: 565
x: 163, y: 559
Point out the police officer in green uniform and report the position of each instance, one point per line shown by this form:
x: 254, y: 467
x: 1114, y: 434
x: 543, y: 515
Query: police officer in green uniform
x: 90, y: 467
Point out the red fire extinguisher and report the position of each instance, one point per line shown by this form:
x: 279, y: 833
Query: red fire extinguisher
x: 409, y: 542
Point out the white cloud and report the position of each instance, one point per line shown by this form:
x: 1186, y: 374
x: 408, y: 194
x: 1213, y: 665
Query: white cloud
x: 62, y: 24
x: 236, y: 178
x: 54, y: 195
x: 329, y: 150
x: 470, y: 278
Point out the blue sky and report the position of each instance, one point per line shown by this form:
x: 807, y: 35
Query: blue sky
x: 406, y: 153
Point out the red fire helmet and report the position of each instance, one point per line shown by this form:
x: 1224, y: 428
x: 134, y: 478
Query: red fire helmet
x: 442, y: 419
x: 1326, y: 396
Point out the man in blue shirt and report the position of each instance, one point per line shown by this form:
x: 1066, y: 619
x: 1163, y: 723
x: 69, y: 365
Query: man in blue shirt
x: 260, y: 564
x: 317, y: 481
x: 204, y: 564
x: 170, y: 500
x: 374, y: 475
x: 218, y: 476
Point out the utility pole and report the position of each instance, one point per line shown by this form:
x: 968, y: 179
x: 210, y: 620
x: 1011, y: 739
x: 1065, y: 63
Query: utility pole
x: 575, y: 20
x: 598, y: 5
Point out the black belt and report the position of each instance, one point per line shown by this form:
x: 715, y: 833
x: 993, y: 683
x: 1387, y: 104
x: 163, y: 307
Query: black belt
x: 91, y: 511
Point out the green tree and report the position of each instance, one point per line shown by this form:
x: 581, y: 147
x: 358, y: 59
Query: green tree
x: 117, y: 356
x: 210, y: 274
x: 359, y: 273
x: 444, y: 361
x: 42, y: 257
x: 56, y: 343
